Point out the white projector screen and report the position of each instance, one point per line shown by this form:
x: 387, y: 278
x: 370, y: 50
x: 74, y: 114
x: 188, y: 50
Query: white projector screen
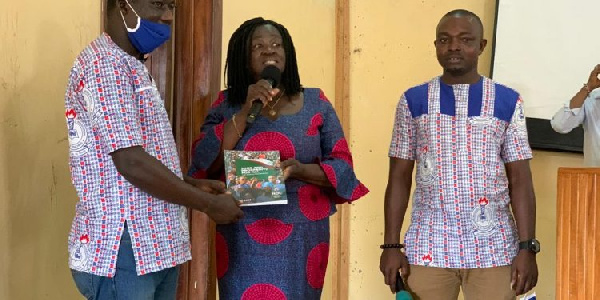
x: 546, y: 49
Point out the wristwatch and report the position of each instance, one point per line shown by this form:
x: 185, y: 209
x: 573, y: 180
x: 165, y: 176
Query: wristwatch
x: 532, y: 245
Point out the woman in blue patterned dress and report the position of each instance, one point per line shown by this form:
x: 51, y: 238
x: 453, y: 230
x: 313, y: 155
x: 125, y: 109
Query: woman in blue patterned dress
x: 276, y: 251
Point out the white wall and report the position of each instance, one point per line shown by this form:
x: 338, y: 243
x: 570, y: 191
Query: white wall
x: 546, y: 50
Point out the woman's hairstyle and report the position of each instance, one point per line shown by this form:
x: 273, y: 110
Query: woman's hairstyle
x: 237, y: 66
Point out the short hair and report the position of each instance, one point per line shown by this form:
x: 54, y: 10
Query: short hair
x: 237, y: 73
x: 465, y: 13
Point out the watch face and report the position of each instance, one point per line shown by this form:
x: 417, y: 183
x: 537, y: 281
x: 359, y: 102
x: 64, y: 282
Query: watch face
x: 534, y: 246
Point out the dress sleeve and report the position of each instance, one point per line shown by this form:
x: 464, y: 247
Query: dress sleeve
x: 207, y: 145
x: 337, y: 160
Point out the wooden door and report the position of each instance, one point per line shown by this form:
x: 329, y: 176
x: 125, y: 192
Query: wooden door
x: 578, y: 234
x: 197, y: 65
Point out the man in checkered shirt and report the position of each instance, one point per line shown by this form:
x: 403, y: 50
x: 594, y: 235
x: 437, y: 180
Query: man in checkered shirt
x: 130, y: 231
x: 467, y: 136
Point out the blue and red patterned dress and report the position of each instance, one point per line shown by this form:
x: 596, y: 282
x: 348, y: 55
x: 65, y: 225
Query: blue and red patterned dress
x: 281, y: 251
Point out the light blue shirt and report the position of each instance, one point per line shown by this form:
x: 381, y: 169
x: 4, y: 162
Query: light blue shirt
x: 589, y: 115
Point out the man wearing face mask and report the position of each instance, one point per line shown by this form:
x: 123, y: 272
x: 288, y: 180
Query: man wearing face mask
x: 130, y: 231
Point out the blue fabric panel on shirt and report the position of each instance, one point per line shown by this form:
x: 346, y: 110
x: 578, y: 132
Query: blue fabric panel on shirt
x: 506, y: 101
x: 475, y: 99
x: 417, y: 99
x: 447, y: 100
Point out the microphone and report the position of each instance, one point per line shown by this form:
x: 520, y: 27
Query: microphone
x: 271, y: 74
x: 401, y: 293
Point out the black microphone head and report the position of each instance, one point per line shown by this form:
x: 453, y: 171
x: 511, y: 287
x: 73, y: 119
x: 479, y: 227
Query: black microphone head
x: 272, y: 74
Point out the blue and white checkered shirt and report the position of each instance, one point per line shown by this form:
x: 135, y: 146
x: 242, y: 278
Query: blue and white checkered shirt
x: 461, y: 136
x: 112, y: 103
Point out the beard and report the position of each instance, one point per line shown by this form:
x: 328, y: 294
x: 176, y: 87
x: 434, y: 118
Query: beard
x: 456, y: 71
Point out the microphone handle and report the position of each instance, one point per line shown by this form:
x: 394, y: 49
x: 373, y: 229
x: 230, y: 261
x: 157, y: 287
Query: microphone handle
x: 257, y: 106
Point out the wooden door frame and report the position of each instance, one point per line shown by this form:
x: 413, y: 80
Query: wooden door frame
x: 197, y: 64
x: 340, y: 222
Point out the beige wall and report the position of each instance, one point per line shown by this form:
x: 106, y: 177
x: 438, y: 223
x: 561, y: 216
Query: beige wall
x: 39, y: 41
x: 392, y: 50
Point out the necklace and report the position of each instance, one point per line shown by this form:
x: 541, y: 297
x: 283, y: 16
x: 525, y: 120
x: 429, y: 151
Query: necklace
x: 272, y: 111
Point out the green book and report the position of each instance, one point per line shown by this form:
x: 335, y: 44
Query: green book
x: 255, y: 177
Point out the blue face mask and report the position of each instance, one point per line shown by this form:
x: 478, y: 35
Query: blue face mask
x: 147, y: 35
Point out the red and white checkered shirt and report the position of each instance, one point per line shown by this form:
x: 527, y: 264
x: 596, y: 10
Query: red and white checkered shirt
x: 112, y: 103
x: 461, y: 136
